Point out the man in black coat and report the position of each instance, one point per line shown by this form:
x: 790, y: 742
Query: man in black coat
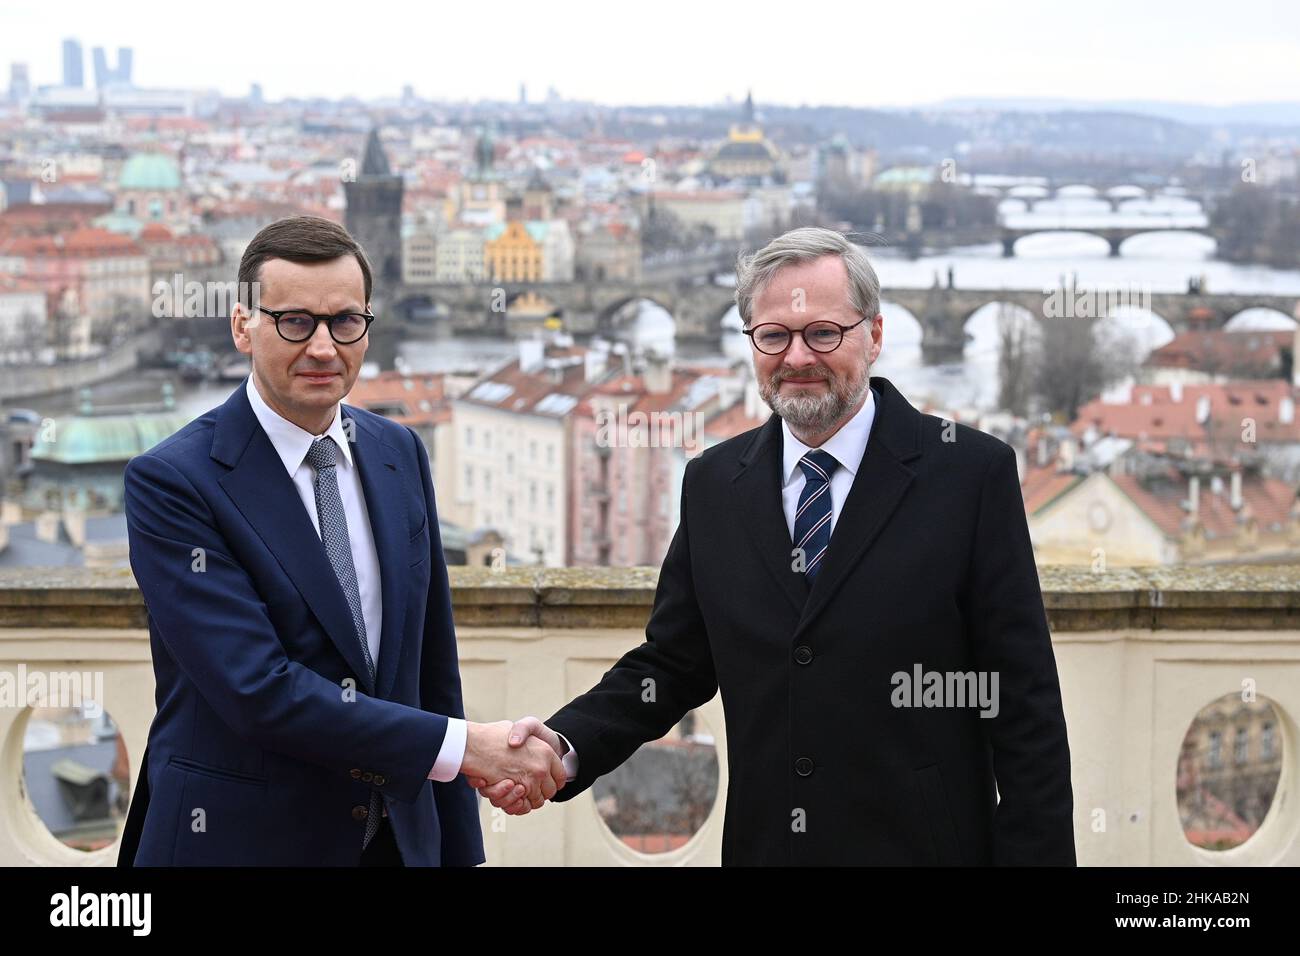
x: 857, y: 580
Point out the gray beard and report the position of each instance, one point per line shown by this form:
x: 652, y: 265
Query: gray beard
x: 815, y: 413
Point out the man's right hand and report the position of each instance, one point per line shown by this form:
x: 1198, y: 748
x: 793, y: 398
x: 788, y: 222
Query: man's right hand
x: 530, y: 771
x: 505, y: 794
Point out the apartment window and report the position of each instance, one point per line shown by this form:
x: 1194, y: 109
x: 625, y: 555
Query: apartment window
x: 1241, y: 745
x: 469, y: 478
x: 487, y: 440
x: 550, y: 455
x: 1216, y: 750
x: 1266, y: 741
x: 532, y: 451
x: 469, y: 436
x: 510, y: 463
x: 532, y: 495
x: 487, y: 482
x: 510, y: 507
x: 550, y: 499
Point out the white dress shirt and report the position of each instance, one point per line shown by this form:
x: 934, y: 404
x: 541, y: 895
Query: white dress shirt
x: 847, y: 445
x: 291, y: 443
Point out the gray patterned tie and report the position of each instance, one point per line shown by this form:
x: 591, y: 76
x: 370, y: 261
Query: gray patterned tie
x: 323, y: 457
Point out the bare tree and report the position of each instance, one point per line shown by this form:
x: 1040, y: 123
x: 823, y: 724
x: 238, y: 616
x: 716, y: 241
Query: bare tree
x: 1016, y: 356
x: 1077, y: 363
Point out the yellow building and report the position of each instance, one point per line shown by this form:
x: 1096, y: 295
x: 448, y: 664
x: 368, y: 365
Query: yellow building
x: 512, y: 253
x: 747, y: 153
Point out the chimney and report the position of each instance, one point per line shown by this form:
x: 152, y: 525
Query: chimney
x: 1235, y: 492
x: 74, y: 525
x: 1295, y: 356
x: 531, y: 354
x: 47, y: 527
x: 753, y: 401
x: 593, y: 363
x: 1193, y: 495
x: 1065, y: 456
x: 658, y: 375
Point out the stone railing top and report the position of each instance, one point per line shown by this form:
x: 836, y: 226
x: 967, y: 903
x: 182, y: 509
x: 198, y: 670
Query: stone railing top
x: 1183, y: 597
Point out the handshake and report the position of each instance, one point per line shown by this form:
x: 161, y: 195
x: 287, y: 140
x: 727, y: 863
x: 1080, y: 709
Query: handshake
x: 516, y: 766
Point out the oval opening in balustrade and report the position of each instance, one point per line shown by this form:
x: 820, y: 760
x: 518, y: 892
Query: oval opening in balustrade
x: 660, y: 797
x: 1228, y: 771
x: 76, y: 775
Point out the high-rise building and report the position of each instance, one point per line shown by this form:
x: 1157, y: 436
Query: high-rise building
x: 374, y: 213
x: 20, y: 85
x: 73, y: 74
x: 106, y: 76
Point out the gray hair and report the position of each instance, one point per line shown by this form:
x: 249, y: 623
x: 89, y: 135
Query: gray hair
x: 755, y: 271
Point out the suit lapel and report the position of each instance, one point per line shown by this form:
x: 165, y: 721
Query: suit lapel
x: 878, y: 489
x: 259, y: 487
x: 758, y: 489
x: 381, y: 480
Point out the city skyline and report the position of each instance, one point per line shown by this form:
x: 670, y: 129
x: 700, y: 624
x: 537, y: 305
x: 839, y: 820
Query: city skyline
x: 1108, y: 52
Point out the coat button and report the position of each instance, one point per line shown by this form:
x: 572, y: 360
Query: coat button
x: 356, y: 774
x: 803, y: 766
x: 360, y: 813
x: 380, y: 780
x: 367, y: 777
x: 803, y: 654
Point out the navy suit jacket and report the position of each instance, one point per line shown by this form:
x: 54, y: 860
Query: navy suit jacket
x: 269, y: 737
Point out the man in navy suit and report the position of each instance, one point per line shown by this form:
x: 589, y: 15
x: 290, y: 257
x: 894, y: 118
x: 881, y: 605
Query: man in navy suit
x: 308, y: 695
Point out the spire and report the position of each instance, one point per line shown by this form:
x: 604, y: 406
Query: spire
x: 375, y: 162
x: 484, y: 152
x: 748, y: 116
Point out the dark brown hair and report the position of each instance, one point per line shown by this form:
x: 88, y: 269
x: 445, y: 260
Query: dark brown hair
x: 300, y: 239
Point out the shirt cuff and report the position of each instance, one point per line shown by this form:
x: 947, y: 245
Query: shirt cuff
x: 570, y: 758
x: 452, y: 753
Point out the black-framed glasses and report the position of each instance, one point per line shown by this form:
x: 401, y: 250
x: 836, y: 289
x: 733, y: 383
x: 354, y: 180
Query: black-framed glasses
x: 773, y: 338
x: 295, y: 325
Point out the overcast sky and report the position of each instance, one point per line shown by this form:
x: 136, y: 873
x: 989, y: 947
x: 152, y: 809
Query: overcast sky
x: 840, y: 52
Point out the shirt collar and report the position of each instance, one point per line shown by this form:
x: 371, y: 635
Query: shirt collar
x: 847, y: 445
x: 290, y: 441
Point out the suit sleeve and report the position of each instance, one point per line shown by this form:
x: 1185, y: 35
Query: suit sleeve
x: 440, y: 693
x: 216, y: 628
x: 1033, y: 822
x: 652, y: 686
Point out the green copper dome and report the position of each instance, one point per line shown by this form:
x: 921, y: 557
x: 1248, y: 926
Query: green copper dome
x: 89, y: 439
x: 150, y: 171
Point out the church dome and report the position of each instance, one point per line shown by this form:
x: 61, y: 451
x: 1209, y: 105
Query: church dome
x: 150, y: 171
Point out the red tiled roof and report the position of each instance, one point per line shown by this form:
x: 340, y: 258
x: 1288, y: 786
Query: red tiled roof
x: 1236, y: 353
x: 1152, y: 413
x: 422, y: 396
x: 1044, y: 485
x: 80, y: 243
x: 1267, y: 500
x: 733, y: 421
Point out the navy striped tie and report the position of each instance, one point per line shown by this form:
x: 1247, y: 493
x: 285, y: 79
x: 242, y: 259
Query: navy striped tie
x: 812, y: 519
